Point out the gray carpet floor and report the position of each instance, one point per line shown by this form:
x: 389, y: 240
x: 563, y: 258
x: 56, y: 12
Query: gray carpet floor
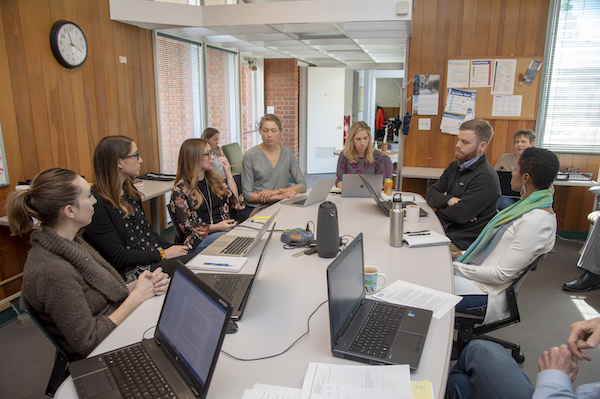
x: 546, y: 311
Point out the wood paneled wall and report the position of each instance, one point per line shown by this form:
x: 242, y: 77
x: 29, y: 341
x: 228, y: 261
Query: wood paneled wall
x: 450, y: 28
x: 54, y: 116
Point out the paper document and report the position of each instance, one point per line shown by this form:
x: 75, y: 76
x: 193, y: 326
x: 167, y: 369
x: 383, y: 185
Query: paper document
x: 504, y: 76
x: 458, y: 73
x: 334, y: 381
x: 261, y: 391
x: 229, y: 264
x: 422, y: 389
x: 417, y: 296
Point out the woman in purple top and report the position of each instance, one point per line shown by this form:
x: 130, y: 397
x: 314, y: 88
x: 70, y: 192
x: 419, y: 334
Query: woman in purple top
x: 359, y: 156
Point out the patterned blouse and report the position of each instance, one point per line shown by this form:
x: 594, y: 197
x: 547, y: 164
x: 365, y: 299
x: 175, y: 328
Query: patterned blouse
x: 195, y: 223
x: 346, y: 168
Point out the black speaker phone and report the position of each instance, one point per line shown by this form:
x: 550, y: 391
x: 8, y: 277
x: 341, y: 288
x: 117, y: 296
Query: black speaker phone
x: 328, y: 236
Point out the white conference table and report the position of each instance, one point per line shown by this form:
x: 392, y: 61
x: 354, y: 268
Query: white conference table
x: 289, y: 289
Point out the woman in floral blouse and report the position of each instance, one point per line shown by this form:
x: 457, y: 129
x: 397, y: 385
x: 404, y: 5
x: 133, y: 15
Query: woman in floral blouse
x: 200, y: 200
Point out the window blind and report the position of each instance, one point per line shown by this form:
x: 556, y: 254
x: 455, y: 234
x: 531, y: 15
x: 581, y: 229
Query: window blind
x: 569, y: 107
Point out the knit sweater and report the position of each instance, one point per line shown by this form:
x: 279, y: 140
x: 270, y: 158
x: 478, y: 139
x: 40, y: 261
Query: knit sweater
x: 73, y: 289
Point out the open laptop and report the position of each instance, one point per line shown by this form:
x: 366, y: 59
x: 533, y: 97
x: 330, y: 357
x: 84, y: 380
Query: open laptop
x: 386, y: 206
x: 354, y: 186
x: 236, y: 288
x: 185, y: 348
x: 318, y: 193
x: 231, y: 245
x: 505, y: 186
x: 355, y: 321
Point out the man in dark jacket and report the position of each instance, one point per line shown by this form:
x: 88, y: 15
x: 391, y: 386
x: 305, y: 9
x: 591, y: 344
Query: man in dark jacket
x: 467, y: 193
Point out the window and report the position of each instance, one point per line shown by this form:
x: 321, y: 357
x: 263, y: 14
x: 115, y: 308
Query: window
x: 180, y: 95
x: 569, y: 107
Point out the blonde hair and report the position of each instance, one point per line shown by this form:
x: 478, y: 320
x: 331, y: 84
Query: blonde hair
x: 106, y: 173
x: 191, y: 153
x: 270, y: 118
x: 349, y: 149
x: 50, y: 191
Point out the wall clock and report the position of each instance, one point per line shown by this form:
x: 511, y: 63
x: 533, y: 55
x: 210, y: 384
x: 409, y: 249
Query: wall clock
x: 68, y: 44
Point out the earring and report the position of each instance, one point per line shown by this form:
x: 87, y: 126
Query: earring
x: 523, y: 190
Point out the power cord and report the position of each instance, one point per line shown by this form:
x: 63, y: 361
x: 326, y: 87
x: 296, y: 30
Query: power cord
x: 288, y: 348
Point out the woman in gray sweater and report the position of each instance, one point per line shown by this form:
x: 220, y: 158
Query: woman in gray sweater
x: 79, y: 296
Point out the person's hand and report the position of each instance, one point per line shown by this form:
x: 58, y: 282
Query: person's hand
x: 453, y: 201
x: 559, y: 359
x: 223, y: 225
x: 224, y: 163
x: 473, y: 220
x: 584, y: 335
x: 144, y: 287
x: 218, y: 151
x: 176, y: 250
x: 160, y: 281
x: 288, y: 193
x: 265, y: 195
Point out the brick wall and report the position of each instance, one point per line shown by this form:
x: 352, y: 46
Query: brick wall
x: 247, y: 120
x: 221, y: 92
x: 282, y: 81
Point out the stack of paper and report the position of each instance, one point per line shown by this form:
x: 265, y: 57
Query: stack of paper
x: 230, y: 264
x: 425, y: 239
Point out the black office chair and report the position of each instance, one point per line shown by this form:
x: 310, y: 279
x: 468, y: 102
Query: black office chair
x: 465, y: 323
x: 179, y: 237
x: 60, y: 371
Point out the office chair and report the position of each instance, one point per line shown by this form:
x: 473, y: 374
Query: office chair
x: 234, y: 155
x: 465, y: 323
x: 389, y: 167
x: 60, y: 371
x: 179, y: 237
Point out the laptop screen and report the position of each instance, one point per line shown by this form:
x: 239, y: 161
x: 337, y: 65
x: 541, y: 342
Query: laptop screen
x: 192, y: 323
x: 346, y: 286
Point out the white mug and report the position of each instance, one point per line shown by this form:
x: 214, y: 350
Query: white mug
x: 371, y: 279
x: 412, y: 213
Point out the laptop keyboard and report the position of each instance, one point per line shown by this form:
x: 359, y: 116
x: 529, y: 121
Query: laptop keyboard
x: 238, y: 245
x: 377, y: 333
x: 227, y: 285
x: 136, y: 374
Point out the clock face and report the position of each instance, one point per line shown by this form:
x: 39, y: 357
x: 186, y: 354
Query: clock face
x: 68, y: 44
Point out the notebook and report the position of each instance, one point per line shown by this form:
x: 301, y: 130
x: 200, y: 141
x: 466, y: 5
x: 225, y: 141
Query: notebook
x: 318, y: 193
x: 185, y: 347
x: 232, y: 245
x: 355, y: 321
x: 353, y: 185
x: 236, y: 288
x: 386, y: 206
x: 425, y: 239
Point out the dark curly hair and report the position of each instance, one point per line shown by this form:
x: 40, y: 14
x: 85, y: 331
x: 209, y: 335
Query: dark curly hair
x: 542, y: 165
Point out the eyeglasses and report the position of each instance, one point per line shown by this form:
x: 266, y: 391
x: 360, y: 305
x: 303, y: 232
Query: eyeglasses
x: 136, y: 156
x: 209, y: 154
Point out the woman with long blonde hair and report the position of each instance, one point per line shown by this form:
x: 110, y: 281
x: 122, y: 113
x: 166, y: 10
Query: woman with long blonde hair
x: 200, y: 200
x: 359, y: 156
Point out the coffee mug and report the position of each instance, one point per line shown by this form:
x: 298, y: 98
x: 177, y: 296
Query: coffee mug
x: 371, y: 278
x: 412, y: 213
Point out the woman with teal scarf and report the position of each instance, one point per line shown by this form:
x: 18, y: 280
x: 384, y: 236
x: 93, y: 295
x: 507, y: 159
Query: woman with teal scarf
x: 511, y: 240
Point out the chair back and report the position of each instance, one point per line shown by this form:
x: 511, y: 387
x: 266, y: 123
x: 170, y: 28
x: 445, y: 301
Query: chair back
x: 60, y: 371
x: 511, y: 298
x: 389, y: 167
x: 179, y: 237
x: 234, y: 155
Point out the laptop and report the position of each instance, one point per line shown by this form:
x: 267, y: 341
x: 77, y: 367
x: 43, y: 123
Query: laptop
x: 353, y: 185
x: 231, y: 245
x: 386, y: 206
x: 236, y: 288
x: 367, y: 330
x: 185, y: 348
x: 505, y: 187
x: 318, y: 193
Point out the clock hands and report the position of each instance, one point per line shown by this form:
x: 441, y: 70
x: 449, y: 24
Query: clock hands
x: 72, y: 45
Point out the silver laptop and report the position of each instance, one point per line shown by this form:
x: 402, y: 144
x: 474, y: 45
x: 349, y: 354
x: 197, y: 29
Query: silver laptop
x: 318, y: 193
x: 353, y: 185
x: 366, y: 330
x: 184, y: 351
x: 236, y: 288
x: 231, y: 245
x: 386, y: 206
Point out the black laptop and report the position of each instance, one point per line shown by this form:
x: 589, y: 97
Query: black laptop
x: 367, y: 330
x: 386, y: 206
x: 236, y: 288
x: 505, y: 187
x: 179, y: 360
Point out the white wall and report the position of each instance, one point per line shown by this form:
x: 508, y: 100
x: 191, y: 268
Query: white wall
x: 387, y: 92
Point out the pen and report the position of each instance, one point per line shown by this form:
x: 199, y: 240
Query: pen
x: 420, y: 234
x: 216, y: 264
x: 415, y: 232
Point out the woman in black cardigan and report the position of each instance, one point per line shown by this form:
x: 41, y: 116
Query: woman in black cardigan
x: 120, y: 230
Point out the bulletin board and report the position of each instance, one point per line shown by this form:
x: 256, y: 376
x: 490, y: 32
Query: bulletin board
x: 484, y: 103
x: 3, y: 167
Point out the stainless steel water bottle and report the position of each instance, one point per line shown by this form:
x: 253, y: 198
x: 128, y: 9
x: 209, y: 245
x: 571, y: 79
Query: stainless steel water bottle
x: 397, y: 222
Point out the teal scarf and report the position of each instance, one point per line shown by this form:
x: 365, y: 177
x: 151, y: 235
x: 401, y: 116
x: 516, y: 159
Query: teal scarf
x: 485, y: 243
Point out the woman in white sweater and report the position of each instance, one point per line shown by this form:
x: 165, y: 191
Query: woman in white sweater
x: 512, y: 240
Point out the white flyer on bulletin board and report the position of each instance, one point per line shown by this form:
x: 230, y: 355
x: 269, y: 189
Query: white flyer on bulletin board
x: 507, y: 105
x: 503, y: 81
